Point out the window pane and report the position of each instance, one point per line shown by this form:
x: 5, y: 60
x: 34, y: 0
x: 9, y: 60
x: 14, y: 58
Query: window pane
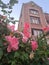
x: 33, y: 11
x: 35, y: 20
x: 36, y: 32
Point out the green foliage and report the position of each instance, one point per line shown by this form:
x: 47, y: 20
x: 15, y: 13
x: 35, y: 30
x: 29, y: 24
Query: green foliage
x: 22, y: 55
x: 7, y: 8
x: 1, y: 53
x: 10, y: 4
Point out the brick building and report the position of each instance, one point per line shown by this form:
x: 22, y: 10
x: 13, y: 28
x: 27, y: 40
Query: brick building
x: 33, y: 14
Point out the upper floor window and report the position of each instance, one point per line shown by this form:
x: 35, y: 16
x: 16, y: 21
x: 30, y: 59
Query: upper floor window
x: 35, y: 20
x: 33, y: 11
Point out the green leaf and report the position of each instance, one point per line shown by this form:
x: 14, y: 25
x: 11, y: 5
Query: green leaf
x: 4, y: 11
x: 10, y: 7
x: 10, y: 11
x: 12, y: 2
x: 24, y: 56
x: 16, y: 54
x: 13, y: 63
x: 4, y: 6
x: 1, y: 53
x: 1, y: 43
x: 1, y: 2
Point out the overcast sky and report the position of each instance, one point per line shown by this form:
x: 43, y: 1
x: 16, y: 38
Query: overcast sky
x: 42, y: 3
x: 17, y: 8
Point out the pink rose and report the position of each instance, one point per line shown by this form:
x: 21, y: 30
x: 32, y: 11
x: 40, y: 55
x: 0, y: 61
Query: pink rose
x: 24, y: 39
x: 26, y: 33
x: 8, y: 38
x: 26, y: 30
x: 34, y: 45
x: 26, y: 25
x: 46, y: 28
x: 13, y: 43
x: 9, y: 48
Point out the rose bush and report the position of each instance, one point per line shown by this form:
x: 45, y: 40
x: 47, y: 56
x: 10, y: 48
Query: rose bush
x: 18, y: 48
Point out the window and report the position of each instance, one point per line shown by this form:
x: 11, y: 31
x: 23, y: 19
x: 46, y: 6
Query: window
x: 36, y: 32
x: 33, y: 11
x: 35, y: 20
x: 48, y: 22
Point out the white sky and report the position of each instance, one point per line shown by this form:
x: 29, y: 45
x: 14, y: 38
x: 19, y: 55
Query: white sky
x: 17, y: 8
